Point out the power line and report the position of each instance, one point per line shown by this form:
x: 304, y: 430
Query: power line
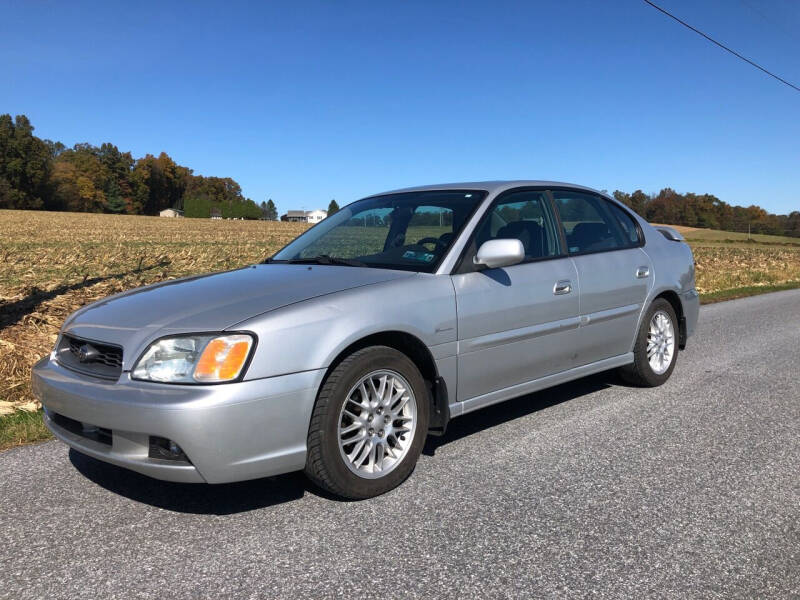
x: 767, y: 19
x: 723, y: 46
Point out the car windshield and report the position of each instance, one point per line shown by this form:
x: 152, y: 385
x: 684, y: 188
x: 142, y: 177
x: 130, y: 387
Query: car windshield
x: 411, y: 231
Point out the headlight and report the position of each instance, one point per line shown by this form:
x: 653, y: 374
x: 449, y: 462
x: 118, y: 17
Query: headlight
x: 195, y: 359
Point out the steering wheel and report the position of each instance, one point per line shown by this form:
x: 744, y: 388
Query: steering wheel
x: 439, y: 244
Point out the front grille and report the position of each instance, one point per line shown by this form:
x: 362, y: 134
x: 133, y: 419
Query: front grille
x: 90, y: 432
x: 90, y: 357
x: 111, y: 356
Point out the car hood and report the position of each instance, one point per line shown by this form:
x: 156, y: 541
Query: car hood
x: 212, y: 302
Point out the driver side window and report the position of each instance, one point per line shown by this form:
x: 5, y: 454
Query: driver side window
x: 524, y: 215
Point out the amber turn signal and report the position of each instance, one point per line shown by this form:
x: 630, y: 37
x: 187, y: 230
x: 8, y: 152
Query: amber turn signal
x: 223, y: 358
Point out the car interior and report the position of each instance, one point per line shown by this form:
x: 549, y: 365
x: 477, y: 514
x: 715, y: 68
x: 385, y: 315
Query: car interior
x: 590, y: 237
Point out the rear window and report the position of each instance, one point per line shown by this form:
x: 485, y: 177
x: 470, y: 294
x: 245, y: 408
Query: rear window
x: 627, y: 224
x: 589, y: 223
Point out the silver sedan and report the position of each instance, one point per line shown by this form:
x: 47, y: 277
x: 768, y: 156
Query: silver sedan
x: 343, y: 351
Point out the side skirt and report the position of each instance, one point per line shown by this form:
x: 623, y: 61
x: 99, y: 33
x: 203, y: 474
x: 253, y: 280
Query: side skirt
x: 461, y: 408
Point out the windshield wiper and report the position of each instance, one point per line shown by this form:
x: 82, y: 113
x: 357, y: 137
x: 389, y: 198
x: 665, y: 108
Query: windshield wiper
x: 326, y: 259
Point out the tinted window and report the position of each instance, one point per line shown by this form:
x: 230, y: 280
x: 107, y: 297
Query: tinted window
x: 626, y: 222
x: 523, y: 215
x: 589, y: 225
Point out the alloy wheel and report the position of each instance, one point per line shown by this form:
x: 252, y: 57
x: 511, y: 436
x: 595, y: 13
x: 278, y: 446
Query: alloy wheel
x: 660, y: 342
x: 377, y: 424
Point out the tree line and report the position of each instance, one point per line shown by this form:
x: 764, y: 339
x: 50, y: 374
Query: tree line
x: 42, y: 174
x: 706, y: 210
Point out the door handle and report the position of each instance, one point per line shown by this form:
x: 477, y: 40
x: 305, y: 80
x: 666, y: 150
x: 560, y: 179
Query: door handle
x: 562, y: 287
x: 642, y: 272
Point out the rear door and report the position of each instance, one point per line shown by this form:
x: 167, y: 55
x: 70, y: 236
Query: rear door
x: 615, y: 274
x: 518, y: 323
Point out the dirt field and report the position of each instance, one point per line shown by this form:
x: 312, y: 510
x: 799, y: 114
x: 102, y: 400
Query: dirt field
x: 53, y: 263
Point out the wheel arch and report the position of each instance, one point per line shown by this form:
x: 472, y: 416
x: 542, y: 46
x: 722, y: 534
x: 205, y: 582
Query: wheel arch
x: 672, y: 297
x: 416, y: 350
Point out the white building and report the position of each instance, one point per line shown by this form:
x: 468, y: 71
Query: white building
x: 308, y: 216
x: 171, y: 212
x: 315, y: 216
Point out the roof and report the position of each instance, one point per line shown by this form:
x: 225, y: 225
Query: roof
x: 493, y: 187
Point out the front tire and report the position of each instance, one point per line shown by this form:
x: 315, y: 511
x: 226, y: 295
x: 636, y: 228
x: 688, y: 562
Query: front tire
x: 369, y: 424
x: 655, y: 352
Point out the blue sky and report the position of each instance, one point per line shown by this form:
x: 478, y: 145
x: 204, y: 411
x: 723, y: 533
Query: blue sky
x: 304, y: 102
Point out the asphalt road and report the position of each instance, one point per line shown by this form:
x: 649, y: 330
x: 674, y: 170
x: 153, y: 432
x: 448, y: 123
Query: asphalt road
x: 690, y: 490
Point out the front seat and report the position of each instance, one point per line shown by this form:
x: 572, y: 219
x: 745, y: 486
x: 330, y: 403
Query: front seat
x: 530, y: 233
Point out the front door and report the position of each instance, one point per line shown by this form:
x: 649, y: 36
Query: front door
x: 518, y: 323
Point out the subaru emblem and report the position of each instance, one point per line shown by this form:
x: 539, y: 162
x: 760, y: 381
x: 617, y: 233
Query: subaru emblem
x: 86, y: 353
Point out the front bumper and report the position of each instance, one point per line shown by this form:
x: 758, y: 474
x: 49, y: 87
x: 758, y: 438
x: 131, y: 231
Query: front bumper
x: 229, y: 432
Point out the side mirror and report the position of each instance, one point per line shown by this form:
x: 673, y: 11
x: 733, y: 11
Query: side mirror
x: 500, y: 253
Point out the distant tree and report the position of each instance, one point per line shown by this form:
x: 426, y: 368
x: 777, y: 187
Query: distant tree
x: 88, y: 178
x: 623, y: 197
x: 25, y: 164
x: 793, y: 224
x: 80, y: 180
x: 197, y: 206
x: 268, y: 210
x: 333, y: 208
x: 115, y: 203
x: 160, y: 183
x: 119, y: 187
x: 639, y: 202
x: 249, y: 210
x: 55, y: 148
x: 209, y: 196
x: 666, y: 207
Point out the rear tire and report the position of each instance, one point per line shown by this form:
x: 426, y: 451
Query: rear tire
x: 655, y: 352
x: 369, y: 424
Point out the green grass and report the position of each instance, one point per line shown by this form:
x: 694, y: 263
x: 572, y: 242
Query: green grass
x: 743, y: 292
x: 21, y: 428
